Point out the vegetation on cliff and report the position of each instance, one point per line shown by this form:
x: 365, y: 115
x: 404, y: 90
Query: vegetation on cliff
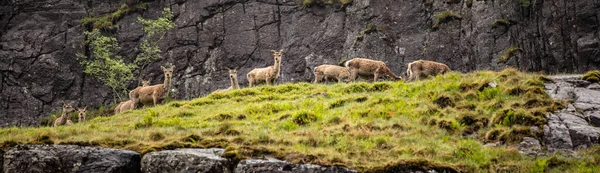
x: 439, y: 124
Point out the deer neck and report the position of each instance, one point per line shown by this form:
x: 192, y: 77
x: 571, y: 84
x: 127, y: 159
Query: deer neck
x: 234, y: 83
x: 63, y: 117
x: 167, y: 85
x: 276, y: 67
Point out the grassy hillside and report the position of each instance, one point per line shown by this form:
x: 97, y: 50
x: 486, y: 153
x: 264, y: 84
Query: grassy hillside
x: 440, y: 123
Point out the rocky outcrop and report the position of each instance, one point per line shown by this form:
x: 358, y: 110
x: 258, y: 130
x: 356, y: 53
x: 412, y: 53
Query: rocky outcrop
x: 69, y: 158
x: 39, y: 40
x: 575, y: 127
x: 278, y: 166
x: 186, y: 160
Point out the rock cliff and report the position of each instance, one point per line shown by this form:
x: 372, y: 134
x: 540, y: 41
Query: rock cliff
x: 39, y: 40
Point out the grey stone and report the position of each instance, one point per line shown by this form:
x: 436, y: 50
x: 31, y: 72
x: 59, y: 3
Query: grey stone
x: 556, y: 134
x: 186, y: 160
x: 277, y: 166
x: 69, y: 158
x: 530, y: 146
x: 593, y: 117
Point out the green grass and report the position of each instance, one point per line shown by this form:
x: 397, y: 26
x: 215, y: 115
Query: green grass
x: 108, y: 21
x: 405, y: 125
x: 508, y: 53
x: 445, y: 16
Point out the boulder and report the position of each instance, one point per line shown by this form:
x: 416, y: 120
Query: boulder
x: 278, y: 166
x: 576, y: 126
x: 69, y: 158
x: 186, y: 160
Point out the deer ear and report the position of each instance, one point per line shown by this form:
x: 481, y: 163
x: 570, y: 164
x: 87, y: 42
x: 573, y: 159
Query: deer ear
x: 273, y: 51
x: 163, y: 68
x: 235, y: 68
x: 173, y: 67
x: 281, y: 50
x: 85, y: 108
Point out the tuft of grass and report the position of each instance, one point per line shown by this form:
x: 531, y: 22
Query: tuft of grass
x: 500, y: 23
x: 524, y: 3
x: 469, y: 3
x: 419, y: 125
x: 444, y: 17
x: 371, y: 28
x: 108, y: 21
x: 592, y: 76
x: 508, y: 53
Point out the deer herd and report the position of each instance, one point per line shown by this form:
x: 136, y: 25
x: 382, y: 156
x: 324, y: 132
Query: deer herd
x: 151, y: 95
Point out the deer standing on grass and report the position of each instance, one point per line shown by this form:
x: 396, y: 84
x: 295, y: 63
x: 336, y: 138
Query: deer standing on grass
x: 330, y: 72
x: 128, y: 105
x: 81, y: 114
x: 64, y: 116
x: 232, y: 79
x: 421, y: 69
x: 268, y: 74
x: 366, y: 67
x: 152, y: 95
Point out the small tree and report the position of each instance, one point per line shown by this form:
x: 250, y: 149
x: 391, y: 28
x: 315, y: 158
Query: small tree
x: 103, y: 64
x: 155, y: 31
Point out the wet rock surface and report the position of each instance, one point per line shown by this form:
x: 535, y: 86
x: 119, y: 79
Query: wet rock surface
x: 186, y: 160
x: 39, y: 40
x: 69, y: 158
x: 278, y: 166
x: 575, y: 127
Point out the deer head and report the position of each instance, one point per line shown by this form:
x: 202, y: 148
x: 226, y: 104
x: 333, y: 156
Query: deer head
x: 68, y: 107
x: 146, y: 83
x: 168, y: 71
x: 232, y: 72
x: 277, y: 55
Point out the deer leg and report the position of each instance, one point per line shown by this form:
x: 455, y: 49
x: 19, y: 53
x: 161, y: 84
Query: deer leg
x: 353, y: 75
x: 268, y: 80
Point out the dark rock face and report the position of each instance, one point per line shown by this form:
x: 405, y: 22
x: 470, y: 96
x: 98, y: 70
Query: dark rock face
x: 575, y: 127
x: 186, y: 160
x: 210, y: 160
x: 278, y: 166
x: 39, y: 40
x: 69, y: 158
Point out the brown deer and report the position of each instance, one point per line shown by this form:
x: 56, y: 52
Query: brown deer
x: 152, y: 95
x: 128, y: 105
x: 268, y: 74
x: 422, y: 69
x: 64, y: 116
x: 232, y: 79
x: 366, y: 67
x: 81, y: 114
x: 330, y: 72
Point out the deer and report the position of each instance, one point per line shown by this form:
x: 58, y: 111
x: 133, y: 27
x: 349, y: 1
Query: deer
x: 330, y: 72
x: 81, y: 114
x: 232, y: 79
x: 367, y: 67
x: 268, y: 74
x: 152, y: 95
x: 421, y: 69
x: 128, y: 105
x: 64, y: 116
